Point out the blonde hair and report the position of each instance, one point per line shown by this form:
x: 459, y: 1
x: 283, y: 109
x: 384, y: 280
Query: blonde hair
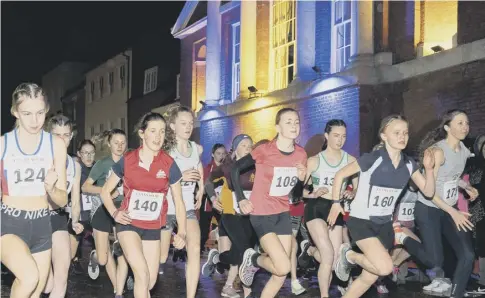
x: 27, y: 90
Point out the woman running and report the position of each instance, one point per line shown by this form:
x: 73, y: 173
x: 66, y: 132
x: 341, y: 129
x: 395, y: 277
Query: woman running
x: 148, y: 174
x: 34, y: 168
x: 279, y: 168
x: 321, y: 170
x: 383, y: 176
x: 61, y: 126
x: 187, y: 156
x: 86, y: 152
x: 101, y: 220
x: 439, y: 215
x: 237, y: 227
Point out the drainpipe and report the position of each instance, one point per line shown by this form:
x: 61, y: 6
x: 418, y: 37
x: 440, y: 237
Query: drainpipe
x: 128, y: 60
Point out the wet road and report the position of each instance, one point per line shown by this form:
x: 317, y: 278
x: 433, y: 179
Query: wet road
x: 172, y: 285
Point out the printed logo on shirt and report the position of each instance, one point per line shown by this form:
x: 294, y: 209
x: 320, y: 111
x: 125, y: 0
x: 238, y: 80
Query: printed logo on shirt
x: 251, y: 178
x: 161, y: 174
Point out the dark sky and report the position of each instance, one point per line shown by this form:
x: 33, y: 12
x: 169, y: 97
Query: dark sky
x: 37, y: 36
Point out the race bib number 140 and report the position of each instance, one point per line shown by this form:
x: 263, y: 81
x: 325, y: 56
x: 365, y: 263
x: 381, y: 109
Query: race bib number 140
x: 145, y: 206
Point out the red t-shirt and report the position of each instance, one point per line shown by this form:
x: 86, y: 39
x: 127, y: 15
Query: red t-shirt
x: 146, y: 190
x: 276, y: 174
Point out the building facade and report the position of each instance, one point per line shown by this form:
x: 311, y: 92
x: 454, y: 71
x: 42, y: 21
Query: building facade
x: 63, y: 77
x: 153, y: 81
x: 354, y: 60
x: 108, y: 88
x: 73, y: 106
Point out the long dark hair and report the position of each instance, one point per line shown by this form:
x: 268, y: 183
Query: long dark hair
x: 170, y: 138
x: 85, y: 142
x: 328, y: 128
x: 439, y: 133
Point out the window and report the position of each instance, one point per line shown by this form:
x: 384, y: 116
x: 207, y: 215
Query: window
x: 150, y: 80
x: 283, y: 42
x: 101, y: 128
x: 122, y: 124
x: 91, y: 98
x: 122, y: 76
x: 92, y: 131
x: 236, y: 56
x: 111, y: 82
x: 101, y: 86
x: 343, y: 33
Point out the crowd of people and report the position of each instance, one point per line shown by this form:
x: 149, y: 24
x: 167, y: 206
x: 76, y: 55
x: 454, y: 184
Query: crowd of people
x: 357, y: 219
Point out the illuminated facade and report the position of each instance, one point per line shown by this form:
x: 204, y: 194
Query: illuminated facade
x: 353, y: 60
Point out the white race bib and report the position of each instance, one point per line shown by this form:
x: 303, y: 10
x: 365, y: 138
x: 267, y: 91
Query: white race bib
x: 406, y: 212
x: 247, y: 194
x: 326, y: 179
x: 450, y: 192
x: 87, y: 201
x: 383, y: 200
x: 26, y: 176
x: 284, y: 178
x: 188, y: 189
x: 145, y: 206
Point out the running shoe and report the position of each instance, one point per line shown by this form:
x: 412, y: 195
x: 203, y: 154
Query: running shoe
x: 297, y: 288
x: 93, y: 267
x: 210, y: 265
x: 161, y: 268
x: 229, y: 292
x: 247, y: 270
x: 343, y: 266
x: 381, y: 287
x: 304, y: 258
x: 130, y: 283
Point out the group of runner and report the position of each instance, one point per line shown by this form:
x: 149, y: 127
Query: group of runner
x: 344, y: 212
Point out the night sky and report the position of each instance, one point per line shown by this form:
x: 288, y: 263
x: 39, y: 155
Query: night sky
x: 37, y: 36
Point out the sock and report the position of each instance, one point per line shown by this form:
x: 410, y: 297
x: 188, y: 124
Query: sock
x: 254, y: 260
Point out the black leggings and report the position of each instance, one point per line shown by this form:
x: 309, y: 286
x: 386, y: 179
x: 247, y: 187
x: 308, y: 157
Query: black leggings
x: 205, y: 218
x: 433, y: 223
x: 242, y: 237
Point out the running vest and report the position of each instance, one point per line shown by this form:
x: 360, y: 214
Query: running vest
x: 323, y: 176
x: 405, y: 209
x: 188, y: 187
x: 449, y: 174
x: 70, y: 175
x: 23, y: 174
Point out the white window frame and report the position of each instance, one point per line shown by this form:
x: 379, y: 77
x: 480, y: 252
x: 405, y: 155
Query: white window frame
x: 279, y: 76
x: 151, y: 80
x: 236, y: 66
x: 111, y: 81
x: 336, y: 51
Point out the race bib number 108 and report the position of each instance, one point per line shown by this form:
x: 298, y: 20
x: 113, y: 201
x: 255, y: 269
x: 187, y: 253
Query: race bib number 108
x: 284, y: 178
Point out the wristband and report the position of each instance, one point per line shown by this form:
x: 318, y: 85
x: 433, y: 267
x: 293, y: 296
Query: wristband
x: 336, y: 201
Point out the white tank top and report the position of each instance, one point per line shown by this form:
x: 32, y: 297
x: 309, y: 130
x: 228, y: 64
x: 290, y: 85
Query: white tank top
x: 325, y: 173
x: 24, y: 174
x: 188, y: 188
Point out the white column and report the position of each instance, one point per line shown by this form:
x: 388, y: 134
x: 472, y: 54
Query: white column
x: 248, y: 46
x: 213, y: 55
x: 362, y: 45
x: 305, y: 43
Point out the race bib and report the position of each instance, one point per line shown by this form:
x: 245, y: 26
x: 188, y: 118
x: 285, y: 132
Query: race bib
x: 188, y: 189
x: 284, y: 178
x: 26, y: 177
x: 247, y: 194
x: 347, y: 205
x: 383, y: 200
x: 145, y: 206
x: 406, y: 212
x: 87, y: 202
x: 450, y: 192
x: 326, y: 180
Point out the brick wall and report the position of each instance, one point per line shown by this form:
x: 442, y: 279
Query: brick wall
x: 186, y: 65
x: 314, y: 113
x: 323, y: 34
x: 423, y: 99
x: 227, y: 19
x: 471, y: 21
x: 262, y: 46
